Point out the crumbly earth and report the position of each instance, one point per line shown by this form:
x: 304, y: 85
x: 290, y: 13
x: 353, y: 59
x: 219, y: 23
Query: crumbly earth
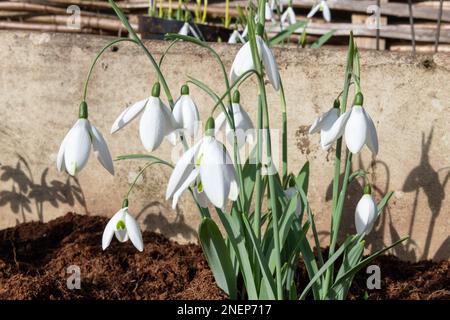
x: 34, y: 258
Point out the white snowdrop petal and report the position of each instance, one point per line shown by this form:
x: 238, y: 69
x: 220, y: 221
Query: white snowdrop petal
x: 128, y: 115
x: 327, y: 124
x: 365, y: 214
x: 326, y: 11
x: 269, y: 63
x: 183, y: 168
x: 372, y: 137
x: 213, y: 173
x: 134, y: 232
x: 186, y: 183
x: 313, y: 10
x: 152, y: 125
x: 110, y: 229
x: 356, y: 130
x: 60, y: 158
x: 242, y: 62
x: 329, y: 136
x: 219, y: 122
x: 327, y: 118
x: 77, y: 147
x: 101, y: 150
x: 121, y: 235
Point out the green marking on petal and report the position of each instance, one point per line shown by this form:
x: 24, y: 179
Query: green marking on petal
x: 120, y: 225
x: 198, y: 160
x: 200, y: 187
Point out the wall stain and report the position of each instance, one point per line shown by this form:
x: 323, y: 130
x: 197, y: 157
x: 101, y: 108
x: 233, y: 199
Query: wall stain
x: 302, y: 139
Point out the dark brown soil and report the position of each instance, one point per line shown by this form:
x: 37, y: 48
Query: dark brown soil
x: 34, y: 258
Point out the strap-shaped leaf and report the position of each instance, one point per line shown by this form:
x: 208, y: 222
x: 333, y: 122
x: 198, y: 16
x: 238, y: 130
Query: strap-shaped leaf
x: 286, y: 33
x: 238, y: 243
x: 364, y: 262
x: 384, y: 201
x: 326, y: 265
x: 322, y: 40
x: 216, y: 253
x: 264, y: 266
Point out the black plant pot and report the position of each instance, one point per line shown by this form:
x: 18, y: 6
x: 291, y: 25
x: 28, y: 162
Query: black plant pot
x: 156, y: 28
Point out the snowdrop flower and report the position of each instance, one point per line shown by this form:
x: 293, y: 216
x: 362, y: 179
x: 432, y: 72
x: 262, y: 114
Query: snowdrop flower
x: 186, y: 29
x: 235, y: 36
x: 268, y: 13
x: 324, y: 124
x: 243, y: 62
x: 124, y: 226
x: 74, y: 151
x: 290, y: 193
x: 185, y: 114
x: 275, y: 3
x: 242, y: 122
x: 156, y: 122
x: 321, y: 5
x: 208, y: 168
x: 288, y: 15
x: 357, y: 126
x: 366, y: 212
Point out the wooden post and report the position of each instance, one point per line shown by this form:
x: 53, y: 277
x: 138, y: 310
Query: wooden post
x: 366, y: 42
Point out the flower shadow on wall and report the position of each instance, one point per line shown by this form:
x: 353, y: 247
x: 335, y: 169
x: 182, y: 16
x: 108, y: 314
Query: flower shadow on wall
x: 425, y: 178
x: 26, y: 195
x: 155, y: 220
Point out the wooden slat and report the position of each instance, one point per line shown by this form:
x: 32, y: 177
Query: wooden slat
x: 402, y: 31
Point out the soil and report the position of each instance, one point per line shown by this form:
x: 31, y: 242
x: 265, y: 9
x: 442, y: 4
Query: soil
x: 34, y: 258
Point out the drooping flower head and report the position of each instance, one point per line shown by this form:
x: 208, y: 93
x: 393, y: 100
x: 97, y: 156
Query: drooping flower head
x: 288, y: 16
x: 243, y: 62
x: 366, y: 212
x: 357, y: 127
x: 324, y: 123
x: 208, y: 169
x: 125, y: 227
x: 156, y: 122
x: 74, y: 151
x: 185, y: 115
x: 242, y: 122
x: 321, y: 5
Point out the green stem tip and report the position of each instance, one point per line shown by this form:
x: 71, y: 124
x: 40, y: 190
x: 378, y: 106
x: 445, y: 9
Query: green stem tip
x: 236, y: 97
x: 337, y: 104
x: 125, y: 203
x: 209, y: 127
x: 359, y: 99
x: 83, y: 112
x: 156, y: 90
x: 184, y: 90
x: 367, y: 189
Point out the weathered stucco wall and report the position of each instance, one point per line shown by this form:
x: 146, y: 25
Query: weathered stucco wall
x: 41, y: 79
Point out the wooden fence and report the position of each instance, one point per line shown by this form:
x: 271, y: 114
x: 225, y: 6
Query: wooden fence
x: 403, y: 25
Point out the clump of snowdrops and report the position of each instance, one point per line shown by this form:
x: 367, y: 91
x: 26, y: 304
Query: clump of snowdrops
x: 257, y: 254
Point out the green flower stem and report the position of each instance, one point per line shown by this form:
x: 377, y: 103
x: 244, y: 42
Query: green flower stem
x: 227, y: 13
x: 337, y: 164
x: 205, y: 10
x: 139, y: 42
x: 96, y: 59
x: 284, y: 134
x: 258, y: 179
x: 272, y: 191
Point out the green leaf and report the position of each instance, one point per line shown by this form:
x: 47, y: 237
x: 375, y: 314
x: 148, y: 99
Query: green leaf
x: 267, y: 275
x: 326, y: 265
x: 384, y: 201
x: 351, y: 258
x: 143, y: 157
x: 364, y: 262
x: 249, y: 176
x: 215, y: 250
x: 237, y: 240
x: 280, y: 37
x: 322, y: 40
